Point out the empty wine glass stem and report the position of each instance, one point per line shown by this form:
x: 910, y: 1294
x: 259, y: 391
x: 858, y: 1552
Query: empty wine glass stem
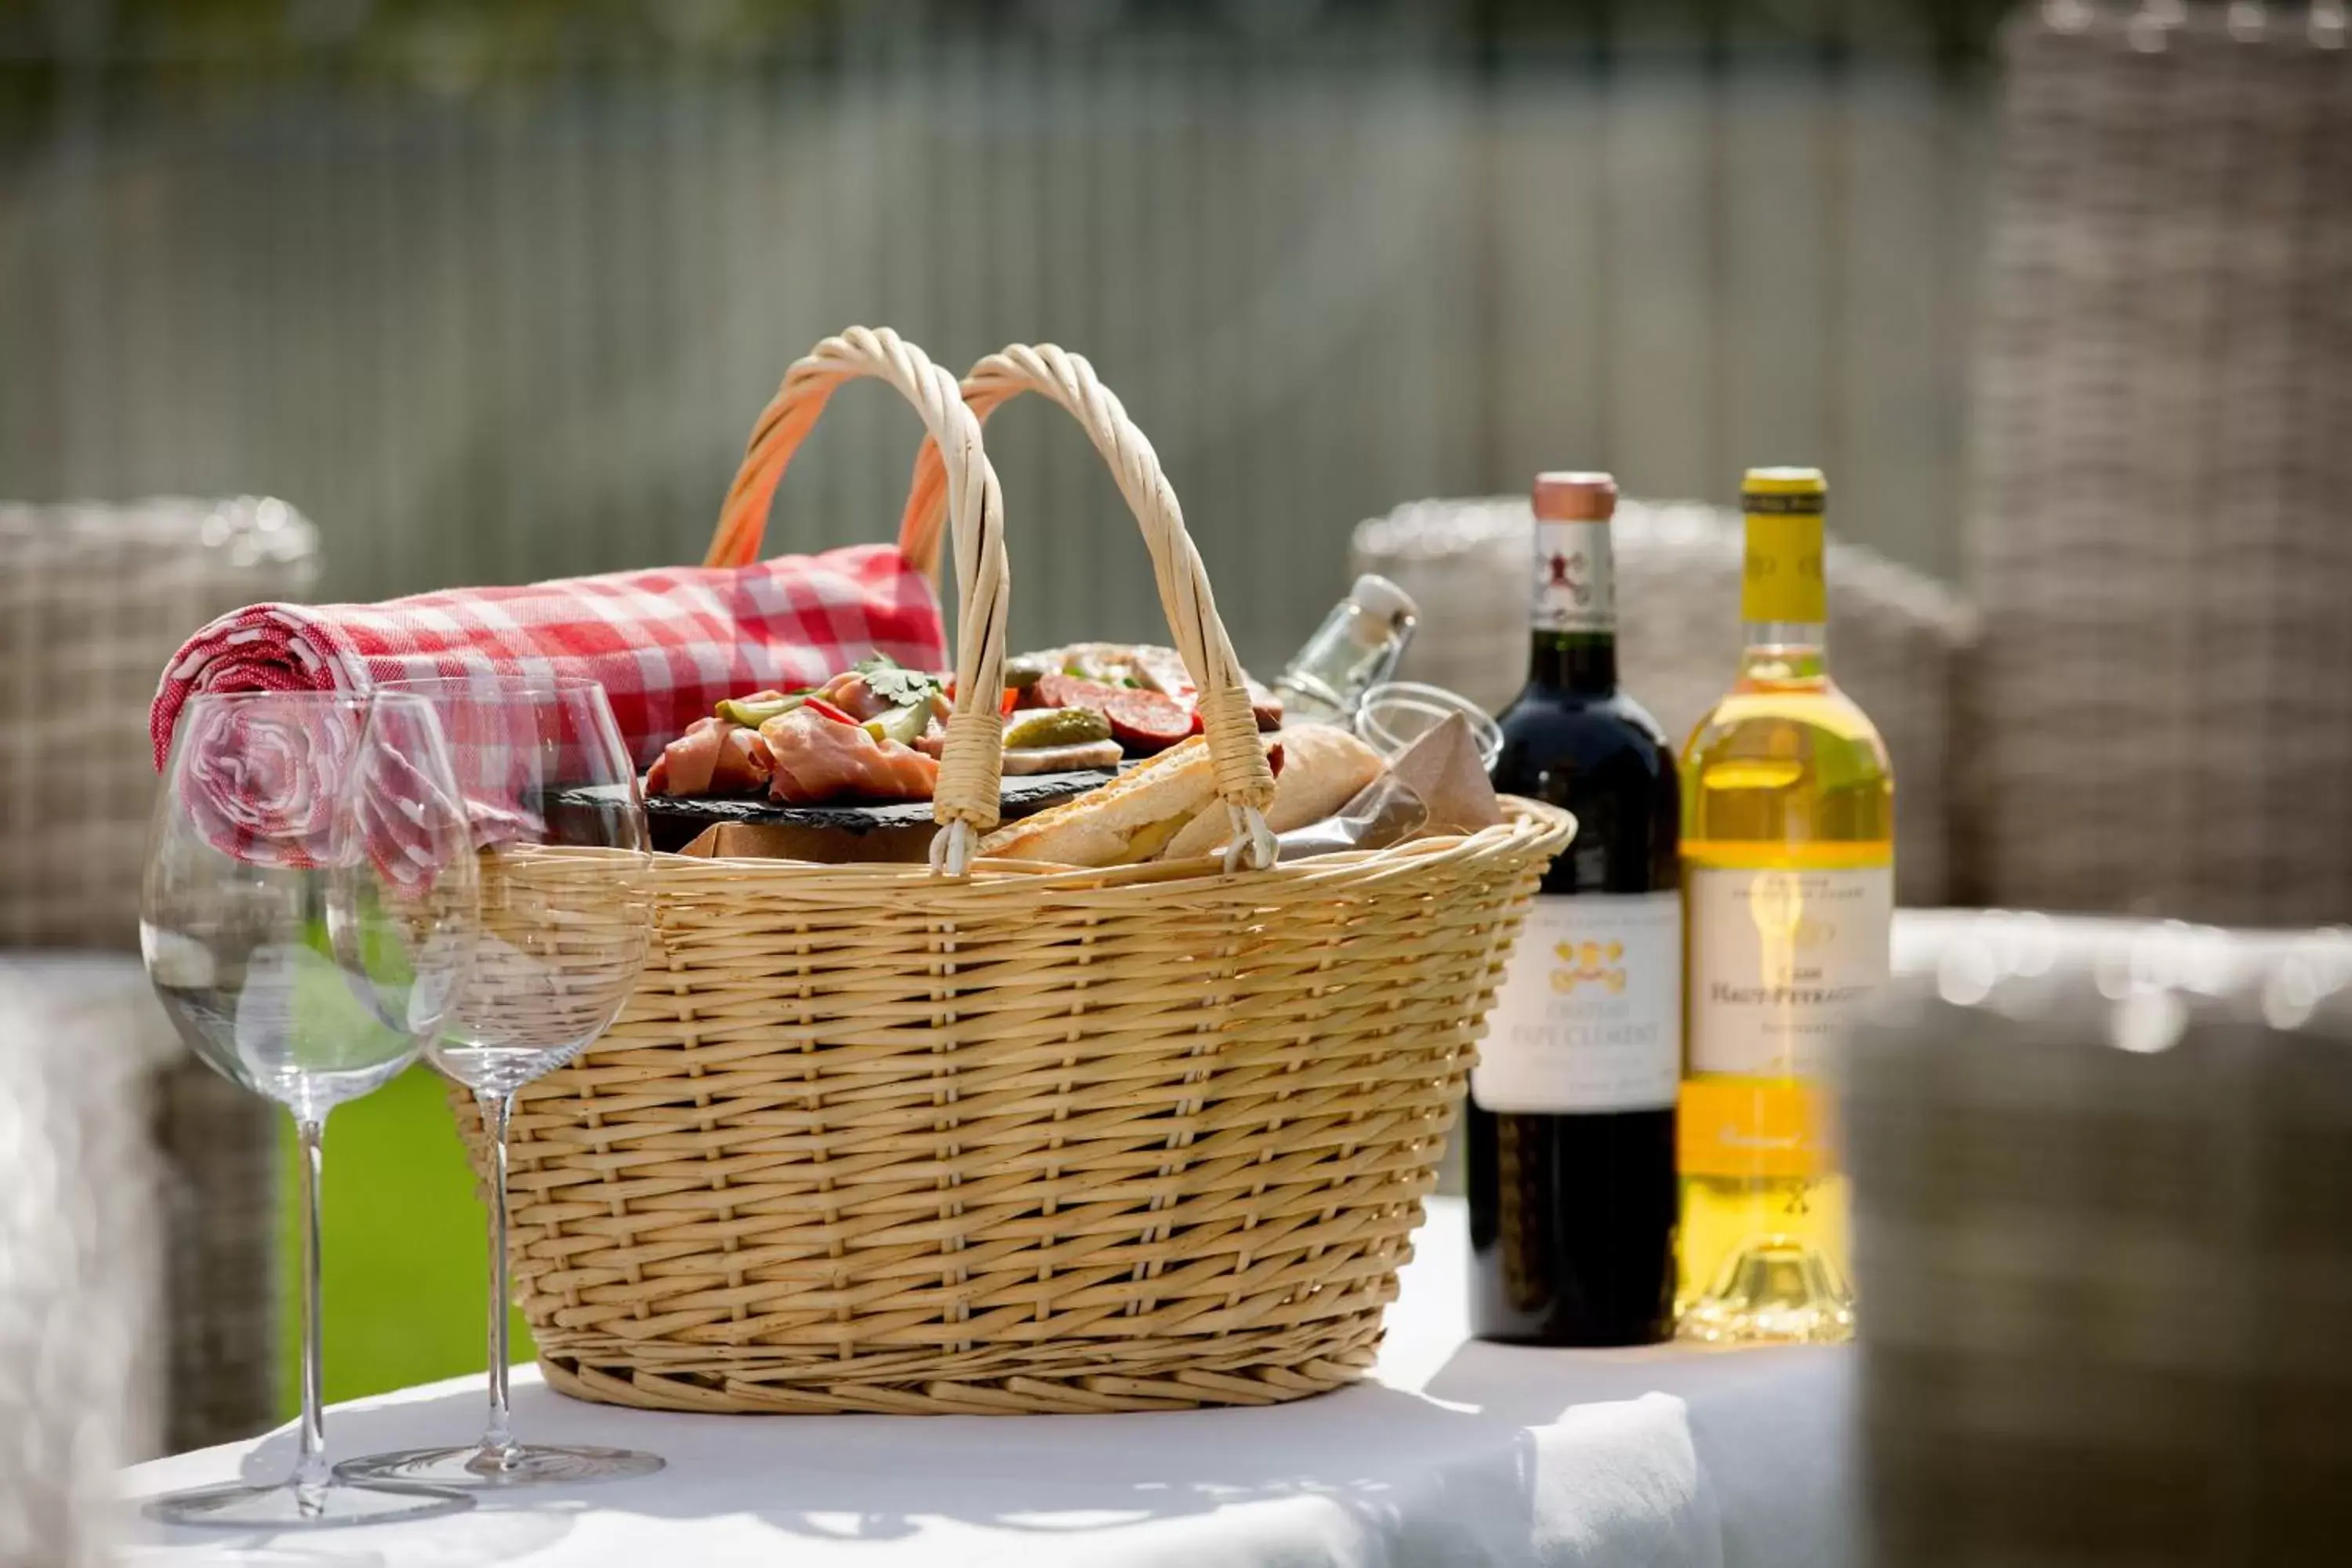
x: 310, y: 1473
x: 497, y: 1110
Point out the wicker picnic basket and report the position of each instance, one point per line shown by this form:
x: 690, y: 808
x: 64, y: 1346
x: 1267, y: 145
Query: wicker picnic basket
x: 986, y: 1139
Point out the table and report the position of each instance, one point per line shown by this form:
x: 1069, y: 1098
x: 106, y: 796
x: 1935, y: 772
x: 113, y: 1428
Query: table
x: 1456, y: 1452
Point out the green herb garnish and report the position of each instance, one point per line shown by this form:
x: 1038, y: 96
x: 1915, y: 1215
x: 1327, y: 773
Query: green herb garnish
x: 896, y: 684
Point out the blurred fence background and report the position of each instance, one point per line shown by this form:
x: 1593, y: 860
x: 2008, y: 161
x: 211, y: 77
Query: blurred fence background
x: 493, y: 291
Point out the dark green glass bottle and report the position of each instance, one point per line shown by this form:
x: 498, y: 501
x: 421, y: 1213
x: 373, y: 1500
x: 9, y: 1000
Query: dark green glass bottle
x: 1571, y: 1126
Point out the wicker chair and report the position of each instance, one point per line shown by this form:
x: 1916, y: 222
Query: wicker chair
x: 1894, y: 634
x: 77, y: 1282
x: 2162, y: 711
x: 93, y: 601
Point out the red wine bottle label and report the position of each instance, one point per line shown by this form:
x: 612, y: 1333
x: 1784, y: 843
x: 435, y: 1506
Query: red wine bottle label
x: 1589, y: 1014
x: 1576, y: 585
x: 1782, y: 961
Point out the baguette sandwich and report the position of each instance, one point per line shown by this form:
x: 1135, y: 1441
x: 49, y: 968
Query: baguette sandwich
x: 1127, y: 821
x: 1323, y: 768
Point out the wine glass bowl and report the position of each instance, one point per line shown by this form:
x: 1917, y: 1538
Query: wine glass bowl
x: 238, y: 919
x: 563, y: 936
x: 305, y: 948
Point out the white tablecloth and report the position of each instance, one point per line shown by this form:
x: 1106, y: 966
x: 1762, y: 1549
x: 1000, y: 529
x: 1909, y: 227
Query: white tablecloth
x: 1458, y: 1452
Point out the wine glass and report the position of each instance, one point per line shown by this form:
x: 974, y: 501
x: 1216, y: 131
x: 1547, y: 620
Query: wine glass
x: 307, y: 919
x: 565, y: 869
x: 1396, y: 714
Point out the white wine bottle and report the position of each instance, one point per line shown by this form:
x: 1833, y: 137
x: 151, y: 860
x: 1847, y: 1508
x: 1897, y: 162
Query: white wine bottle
x: 1788, y: 861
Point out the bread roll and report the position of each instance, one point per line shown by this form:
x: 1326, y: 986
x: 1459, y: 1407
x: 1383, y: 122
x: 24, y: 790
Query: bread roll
x: 1323, y: 768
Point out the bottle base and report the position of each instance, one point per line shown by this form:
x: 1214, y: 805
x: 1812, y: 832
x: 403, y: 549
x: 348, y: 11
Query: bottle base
x: 1536, y: 1341
x: 1775, y: 1291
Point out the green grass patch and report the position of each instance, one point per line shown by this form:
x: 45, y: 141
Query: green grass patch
x: 405, y: 1248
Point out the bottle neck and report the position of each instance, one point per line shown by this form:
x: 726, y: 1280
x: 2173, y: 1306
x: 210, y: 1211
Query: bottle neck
x: 1576, y: 664
x: 1573, y: 641
x: 1782, y: 653
x: 1783, y: 591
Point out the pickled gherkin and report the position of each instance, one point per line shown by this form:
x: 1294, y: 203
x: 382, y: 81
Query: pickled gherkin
x: 760, y: 707
x: 1056, y: 727
x: 903, y: 725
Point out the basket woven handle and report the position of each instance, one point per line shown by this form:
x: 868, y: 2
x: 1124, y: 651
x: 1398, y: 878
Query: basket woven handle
x: 964, y: 802
x: 1244, y: 782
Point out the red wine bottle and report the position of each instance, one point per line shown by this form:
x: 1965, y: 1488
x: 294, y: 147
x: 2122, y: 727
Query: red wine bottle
x: 1571, y: 1125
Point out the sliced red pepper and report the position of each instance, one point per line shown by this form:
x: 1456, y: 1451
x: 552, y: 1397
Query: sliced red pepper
x: 1012, y: 700
x: 824, y: 710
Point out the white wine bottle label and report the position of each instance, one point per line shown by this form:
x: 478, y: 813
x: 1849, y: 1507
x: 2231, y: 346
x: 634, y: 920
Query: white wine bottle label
x: 1782, y: 961
x: 1576, y: 583
x: 1589, y: 1014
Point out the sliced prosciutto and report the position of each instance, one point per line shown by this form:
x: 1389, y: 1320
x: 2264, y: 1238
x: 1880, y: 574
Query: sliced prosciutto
x: 818, y: 759
x: 713, y: 757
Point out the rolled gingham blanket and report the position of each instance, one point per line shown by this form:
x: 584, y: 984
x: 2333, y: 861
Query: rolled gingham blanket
x: 311, y: 780
x: 666, y: 644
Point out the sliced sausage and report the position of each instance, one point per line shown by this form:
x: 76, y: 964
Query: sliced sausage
x: 1145, y: 721
x: 1074, y: 691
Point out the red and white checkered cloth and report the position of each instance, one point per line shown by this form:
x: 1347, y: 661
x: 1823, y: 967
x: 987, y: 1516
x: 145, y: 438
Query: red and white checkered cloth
x: 666, y: 644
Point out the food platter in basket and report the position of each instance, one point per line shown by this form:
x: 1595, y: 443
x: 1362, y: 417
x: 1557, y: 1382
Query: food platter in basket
x: 677, y: 823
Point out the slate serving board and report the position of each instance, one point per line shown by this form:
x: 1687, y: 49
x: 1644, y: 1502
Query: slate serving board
x: 676, y: 823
